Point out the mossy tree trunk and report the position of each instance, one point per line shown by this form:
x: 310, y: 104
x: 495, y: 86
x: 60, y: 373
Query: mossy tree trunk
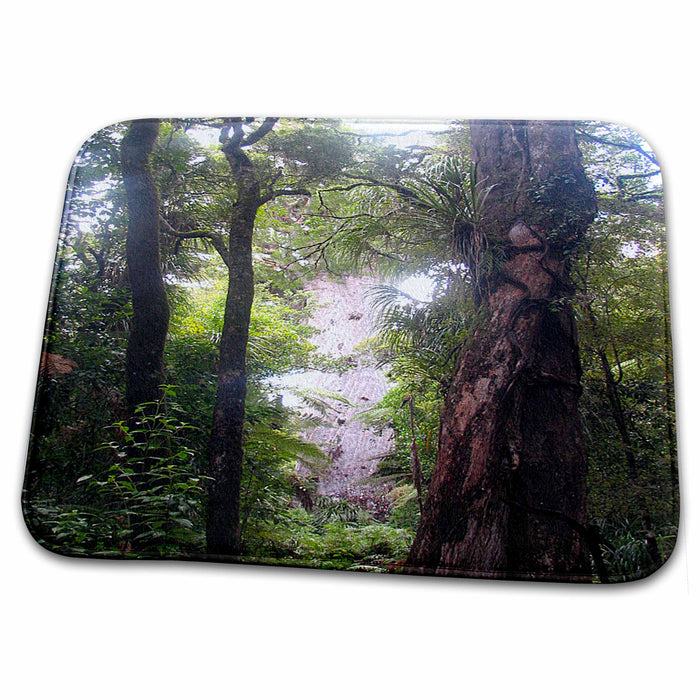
x: 508, y: 494
x: 226, y: 442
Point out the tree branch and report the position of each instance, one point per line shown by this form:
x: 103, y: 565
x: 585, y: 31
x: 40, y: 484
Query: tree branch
x: 216, y: 239
x: 633, y: 176
x: 624, y: 146
x: 284, y: 192
x: 264, y: 129
x: 367, y: 181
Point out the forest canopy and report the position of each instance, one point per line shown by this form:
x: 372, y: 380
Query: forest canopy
x: 421, y: 348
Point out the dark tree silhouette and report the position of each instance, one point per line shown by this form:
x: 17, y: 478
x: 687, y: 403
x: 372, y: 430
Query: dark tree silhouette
x: 149, y: 322
x: 226, y: 443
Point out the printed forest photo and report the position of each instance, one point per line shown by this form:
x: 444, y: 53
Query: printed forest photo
x: 433, y: 348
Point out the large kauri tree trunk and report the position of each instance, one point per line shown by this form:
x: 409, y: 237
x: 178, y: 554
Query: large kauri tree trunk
x: 149, y: 322
x: 508, y: 494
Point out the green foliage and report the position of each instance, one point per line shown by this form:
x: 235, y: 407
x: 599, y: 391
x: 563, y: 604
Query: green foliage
x: 329, y: 541
x: 419, y: 343
x: 145, y: 499
x: 405, y: 512
x: 86, y: 332
x: 560, y: 209
x: 622, y: 311
x: 414, y: 211
x: 272, y: 450
x: 419, y: 340
x: 384, y: 211
x: 338, y: 510
x: 396, y: 468
x: 321, y: 402
x: 626, y: 551
x: 310, y: 150
x: 620, y: 163
x: 622, y: 302
x: 278, y: 340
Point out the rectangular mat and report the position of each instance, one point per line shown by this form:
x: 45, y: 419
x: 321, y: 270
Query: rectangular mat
x: 437, y: 348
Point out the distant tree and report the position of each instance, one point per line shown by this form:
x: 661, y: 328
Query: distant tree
x: 508, y: 493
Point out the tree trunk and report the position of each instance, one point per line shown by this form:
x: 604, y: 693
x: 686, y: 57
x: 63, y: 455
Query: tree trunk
x: 507, y: 497
x: 151, y: 314
x: 620, y: 418
x: 226, y: 443
x: 613, y: 394
x: 669, y: 400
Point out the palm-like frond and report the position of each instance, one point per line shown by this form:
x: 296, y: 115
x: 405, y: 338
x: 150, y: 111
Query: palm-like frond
x: 403, y: 494
x: 420, y: 337
x: 452, y: 200
x: 286, y: 447
x: 432, y: 213
x: 322, y: 401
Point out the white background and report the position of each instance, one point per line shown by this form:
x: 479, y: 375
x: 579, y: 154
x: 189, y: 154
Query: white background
x: 73, y: 629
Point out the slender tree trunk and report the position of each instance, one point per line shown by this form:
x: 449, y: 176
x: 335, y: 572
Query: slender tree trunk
x: 226, y: 443
x: 613, y: 394
x: 507, y: 497
x: 415, y: 460
x: 149, y: 322
x: 620, y: 418
x: 669, y: 396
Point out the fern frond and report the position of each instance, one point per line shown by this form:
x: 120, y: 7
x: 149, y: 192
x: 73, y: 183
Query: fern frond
x: 322, y: 401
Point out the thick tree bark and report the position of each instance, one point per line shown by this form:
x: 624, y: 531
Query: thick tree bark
x: 226, y: 443
x: 151, y: 314
x: 507, y: 497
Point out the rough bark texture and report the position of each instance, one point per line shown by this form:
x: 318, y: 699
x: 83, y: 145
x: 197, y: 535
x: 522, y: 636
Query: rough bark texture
x: 507, y: 497
x: 149, y: 322
x: 226, y: 444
